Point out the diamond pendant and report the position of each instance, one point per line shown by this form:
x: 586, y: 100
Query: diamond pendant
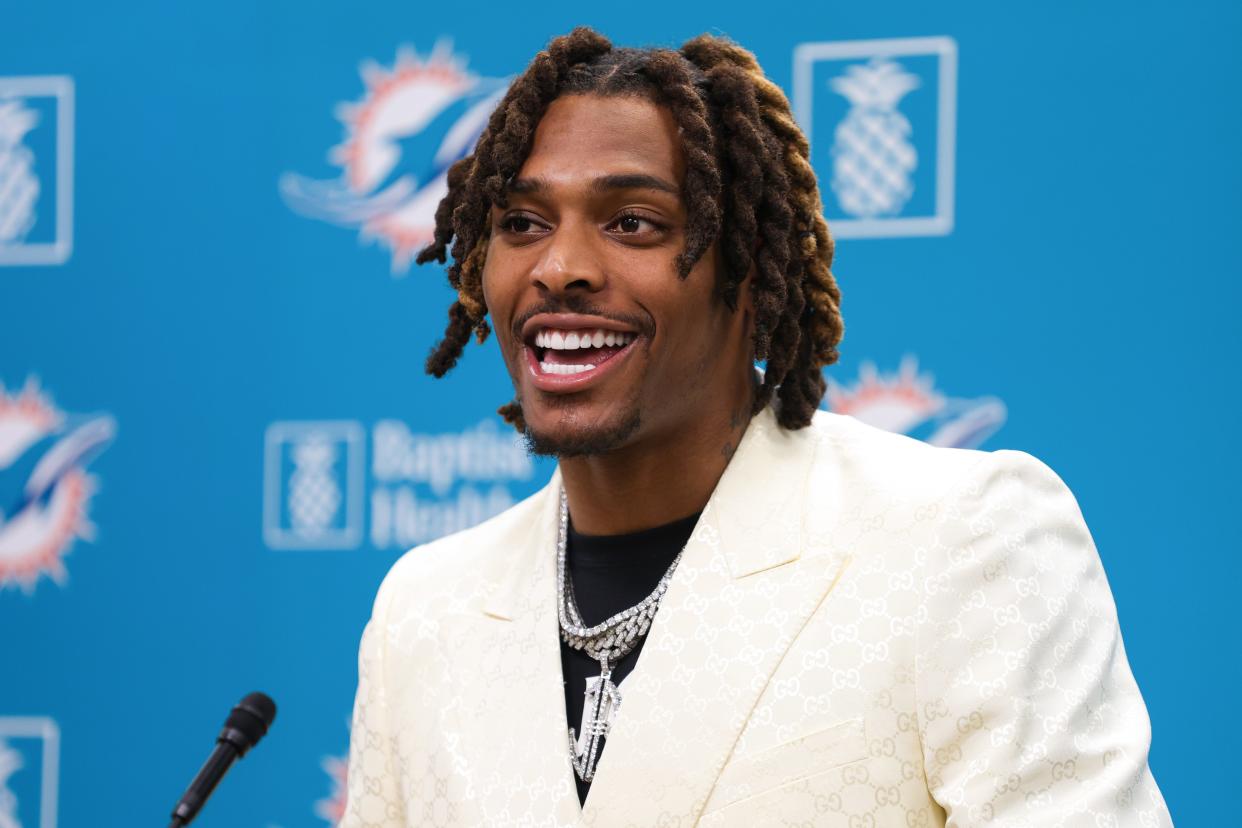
x: 603, y: 699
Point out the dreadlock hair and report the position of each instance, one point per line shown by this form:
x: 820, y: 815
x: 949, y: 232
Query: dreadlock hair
x: 748, y: 183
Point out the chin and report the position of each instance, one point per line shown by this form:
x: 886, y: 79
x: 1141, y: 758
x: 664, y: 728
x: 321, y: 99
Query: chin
x: 566, y: 434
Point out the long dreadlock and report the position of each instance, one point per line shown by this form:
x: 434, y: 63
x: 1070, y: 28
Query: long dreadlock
x: 749, y: 183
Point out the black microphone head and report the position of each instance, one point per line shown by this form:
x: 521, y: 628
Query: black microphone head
x: 249, y: 721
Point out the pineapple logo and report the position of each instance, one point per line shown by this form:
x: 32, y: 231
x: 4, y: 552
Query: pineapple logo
x: 19, y: 189
x: 872, y: 157
x: 313, y: 484
x: 314, y: 496
x: 10, y: 763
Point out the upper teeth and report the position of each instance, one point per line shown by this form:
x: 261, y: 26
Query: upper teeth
x: 572, y: 340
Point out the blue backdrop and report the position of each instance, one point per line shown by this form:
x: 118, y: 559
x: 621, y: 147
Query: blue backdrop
x: 215, y: 435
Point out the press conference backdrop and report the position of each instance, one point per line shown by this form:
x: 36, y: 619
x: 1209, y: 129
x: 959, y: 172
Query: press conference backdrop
x: 216, y: 436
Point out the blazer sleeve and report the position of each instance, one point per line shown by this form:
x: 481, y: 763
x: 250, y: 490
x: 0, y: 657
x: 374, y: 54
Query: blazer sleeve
x: 373, y: 797
x: 1029, y: 713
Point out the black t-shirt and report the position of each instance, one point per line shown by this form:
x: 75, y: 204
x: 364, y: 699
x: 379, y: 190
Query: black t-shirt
x: 612, y: 573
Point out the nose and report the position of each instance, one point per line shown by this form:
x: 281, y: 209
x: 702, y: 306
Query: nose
x: 570, y: 261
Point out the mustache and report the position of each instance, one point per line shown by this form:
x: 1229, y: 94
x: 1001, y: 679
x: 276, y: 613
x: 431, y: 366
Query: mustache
x: 642, y: 323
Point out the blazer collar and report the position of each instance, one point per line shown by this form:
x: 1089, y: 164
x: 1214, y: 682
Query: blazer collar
x: 531, y: 558
x: 759, y: 499
x: 515, y: 743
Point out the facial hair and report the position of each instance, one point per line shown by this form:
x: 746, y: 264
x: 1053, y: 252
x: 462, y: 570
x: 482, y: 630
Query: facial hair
x: 589, y: 441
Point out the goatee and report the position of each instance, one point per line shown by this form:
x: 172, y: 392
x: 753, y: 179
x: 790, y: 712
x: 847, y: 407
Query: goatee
x: 582, y: 442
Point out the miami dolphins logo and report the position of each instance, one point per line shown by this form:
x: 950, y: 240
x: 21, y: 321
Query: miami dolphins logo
x: 332, y: 808
x: 45, y: 491
x: 411, y: 124
x: 907, y: 402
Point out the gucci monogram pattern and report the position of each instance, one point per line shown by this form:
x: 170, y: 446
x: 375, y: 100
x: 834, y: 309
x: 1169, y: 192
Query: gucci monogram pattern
x: 863, y: 631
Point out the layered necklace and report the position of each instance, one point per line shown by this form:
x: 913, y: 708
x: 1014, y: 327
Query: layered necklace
x: 607, y: 643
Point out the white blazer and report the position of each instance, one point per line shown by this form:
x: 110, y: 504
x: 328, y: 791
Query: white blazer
x: 864, y: 631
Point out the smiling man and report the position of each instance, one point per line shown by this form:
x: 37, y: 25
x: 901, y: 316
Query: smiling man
x: 726, y: 607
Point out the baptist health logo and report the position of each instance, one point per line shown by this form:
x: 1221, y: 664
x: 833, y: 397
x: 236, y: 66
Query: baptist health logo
x: 907, y: 402
x: 418, y: 487
x: 413, y: 121
x: 29, y: 771
x: 36, y: 170
x: 881, y: 115
x: 45, y: 490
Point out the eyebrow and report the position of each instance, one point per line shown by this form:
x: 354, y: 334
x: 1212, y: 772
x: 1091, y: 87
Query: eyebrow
x: 603, y: 184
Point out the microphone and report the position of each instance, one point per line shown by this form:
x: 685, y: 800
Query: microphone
x: 244, y: 727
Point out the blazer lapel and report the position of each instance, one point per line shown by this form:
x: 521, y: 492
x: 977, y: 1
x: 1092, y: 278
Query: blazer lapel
x: 741, y: 594
x: 514, y: 730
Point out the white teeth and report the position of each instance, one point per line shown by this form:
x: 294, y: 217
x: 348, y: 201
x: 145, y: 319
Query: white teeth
x: 564, y: 368
x: 573, y: 340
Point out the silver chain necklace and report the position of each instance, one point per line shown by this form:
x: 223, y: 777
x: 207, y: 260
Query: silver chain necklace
x: 607, y: 643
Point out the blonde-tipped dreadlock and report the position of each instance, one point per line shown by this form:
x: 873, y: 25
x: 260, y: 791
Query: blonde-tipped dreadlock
x: 749, y: 184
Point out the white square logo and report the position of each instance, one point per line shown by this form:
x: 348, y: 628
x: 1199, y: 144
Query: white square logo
x: 29, y: 770
x: 36, y: 170
x: 313, y: 485
x: 881, y: 119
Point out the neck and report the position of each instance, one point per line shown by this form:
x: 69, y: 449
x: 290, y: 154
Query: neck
x: 660, y: 481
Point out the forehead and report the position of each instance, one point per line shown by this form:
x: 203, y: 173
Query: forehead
x: 584, y: 137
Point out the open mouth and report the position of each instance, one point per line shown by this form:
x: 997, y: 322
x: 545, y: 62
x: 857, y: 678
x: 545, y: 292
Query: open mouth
x: 572, y: 355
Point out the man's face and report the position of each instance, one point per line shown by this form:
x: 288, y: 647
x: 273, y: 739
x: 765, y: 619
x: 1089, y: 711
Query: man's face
x: 606, y: 347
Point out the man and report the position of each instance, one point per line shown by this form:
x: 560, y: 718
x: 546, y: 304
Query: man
x: 837, y: 625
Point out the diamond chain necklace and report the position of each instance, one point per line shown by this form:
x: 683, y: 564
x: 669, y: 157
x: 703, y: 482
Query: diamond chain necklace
x: 607, y: 643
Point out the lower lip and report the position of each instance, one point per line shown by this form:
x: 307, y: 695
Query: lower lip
x: 574, y: 382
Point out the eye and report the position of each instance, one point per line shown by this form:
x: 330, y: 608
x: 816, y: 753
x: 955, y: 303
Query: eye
x: 519, y: 224
x: 632, y: 224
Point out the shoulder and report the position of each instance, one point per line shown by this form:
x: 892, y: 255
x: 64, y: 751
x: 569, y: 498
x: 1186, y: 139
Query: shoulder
x: 897, y: 495
x: 970, y: 521
x: 846, y: 447
x: 852, y: 456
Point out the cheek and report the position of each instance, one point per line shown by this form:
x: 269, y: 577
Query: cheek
x: 488, y: 280
x: 498, y: 300
x: 701, y: 340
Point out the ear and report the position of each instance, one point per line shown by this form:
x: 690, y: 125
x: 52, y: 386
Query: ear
x: 746, y: 292
x: 744, y: 300
x: 744, y: 310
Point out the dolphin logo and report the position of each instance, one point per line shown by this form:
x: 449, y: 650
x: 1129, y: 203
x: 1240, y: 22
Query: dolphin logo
x: 44, y: 487
x: 414, y: 121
